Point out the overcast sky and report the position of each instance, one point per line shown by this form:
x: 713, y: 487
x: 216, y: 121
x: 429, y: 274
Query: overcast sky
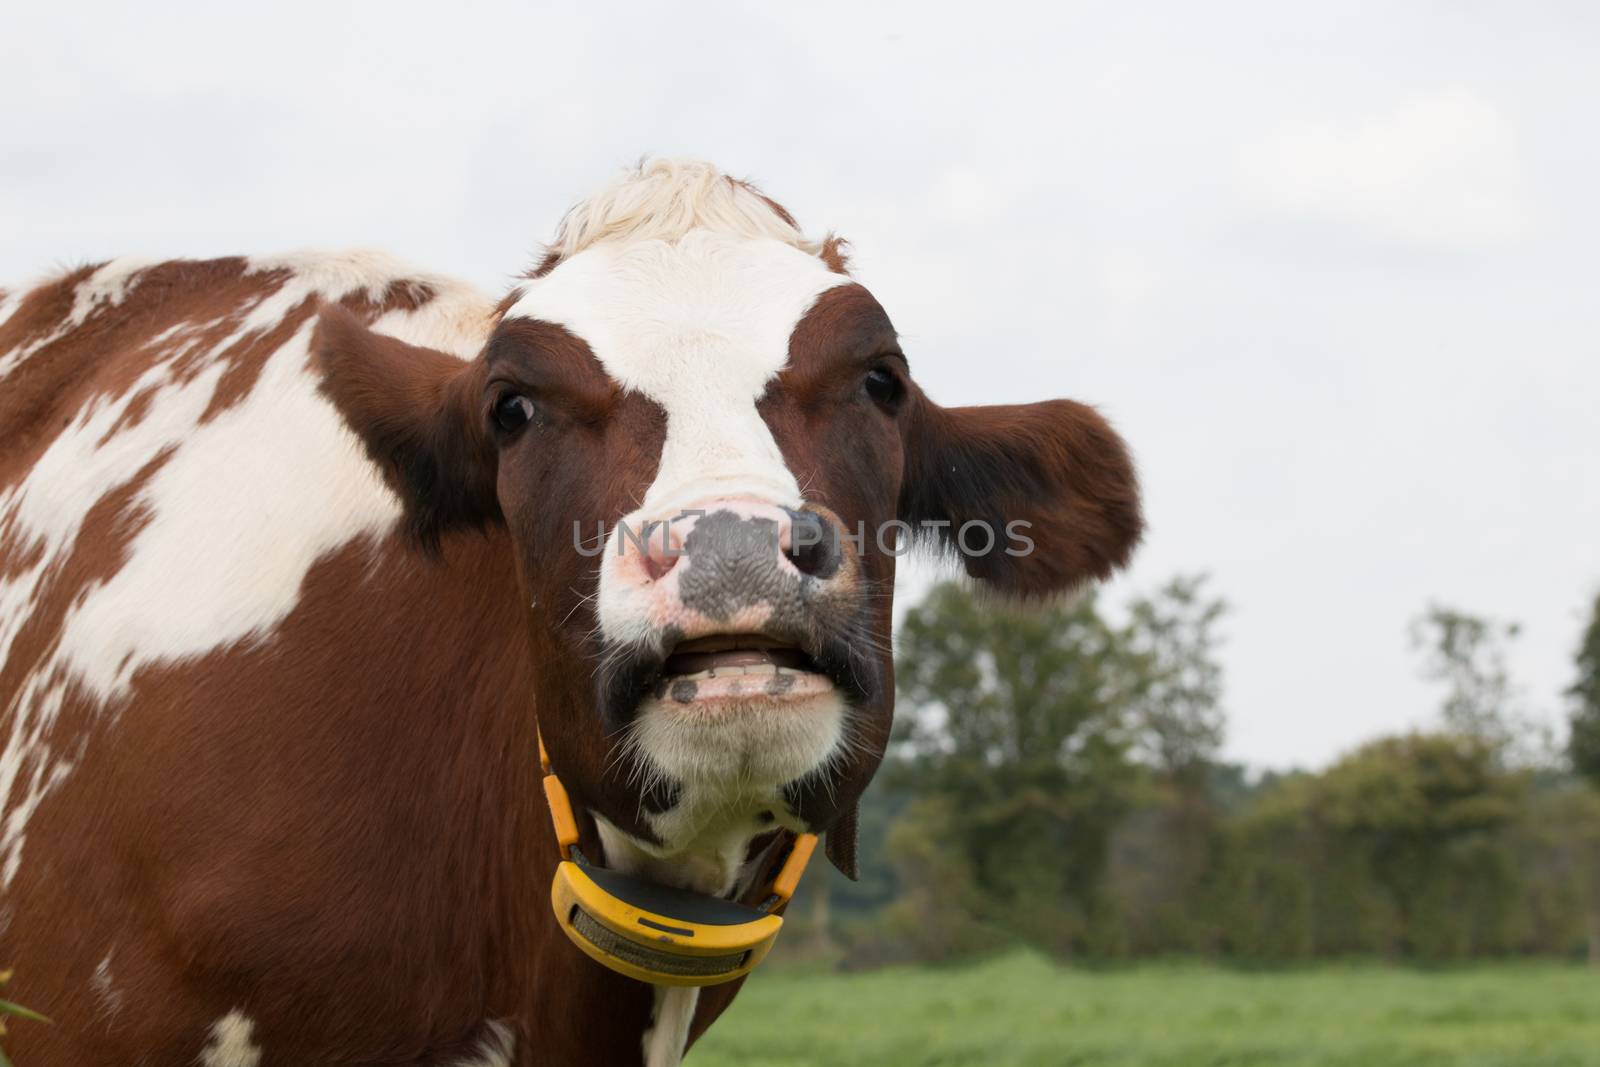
x: 1331, y: 269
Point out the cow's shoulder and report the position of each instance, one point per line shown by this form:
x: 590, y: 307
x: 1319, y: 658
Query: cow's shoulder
x: 170, y: 473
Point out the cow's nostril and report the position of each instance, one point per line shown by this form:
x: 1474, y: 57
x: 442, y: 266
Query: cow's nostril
x: 813, y: 546
x: 810, y: 559
x: 660, y: 555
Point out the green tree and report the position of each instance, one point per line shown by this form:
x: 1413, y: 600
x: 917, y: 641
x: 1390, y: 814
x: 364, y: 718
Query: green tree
x: 1558, y: 853
x: 1406, y: 846
x: 1262, y: 895
x: 1178, y: 705
x: 1583, y: 744
x: 1426, y: 813
x: 1583, y: 748
x: 1019, y: 740
x: 1163, y: 853
x: 1469, y: 655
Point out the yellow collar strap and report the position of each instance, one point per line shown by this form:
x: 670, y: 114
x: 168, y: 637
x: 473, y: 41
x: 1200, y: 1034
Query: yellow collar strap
x: 655, y: 933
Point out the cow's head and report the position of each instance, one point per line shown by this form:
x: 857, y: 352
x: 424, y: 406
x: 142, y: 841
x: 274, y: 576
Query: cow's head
x: 705, y: 443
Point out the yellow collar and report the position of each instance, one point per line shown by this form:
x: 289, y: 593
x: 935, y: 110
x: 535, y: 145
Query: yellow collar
x: 655, y: 933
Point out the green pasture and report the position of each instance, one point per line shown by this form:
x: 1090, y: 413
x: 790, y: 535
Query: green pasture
x: 1022, y: 1010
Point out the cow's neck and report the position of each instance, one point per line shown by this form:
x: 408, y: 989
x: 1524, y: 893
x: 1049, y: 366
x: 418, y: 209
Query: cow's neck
x: 563, y: 992
x: 471, y: 708
x: 718, y: 864
x: 436, y: 715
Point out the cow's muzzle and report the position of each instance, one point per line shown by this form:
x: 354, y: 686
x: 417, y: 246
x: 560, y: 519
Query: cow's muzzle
x: 732, y: 603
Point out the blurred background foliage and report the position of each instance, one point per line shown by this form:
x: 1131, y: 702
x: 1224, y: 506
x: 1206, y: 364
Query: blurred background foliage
x: 1054, y: 782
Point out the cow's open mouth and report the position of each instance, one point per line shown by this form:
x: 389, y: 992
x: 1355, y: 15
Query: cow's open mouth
x: 736, y: 654
x: 738, y: 667
x: 742, y: 668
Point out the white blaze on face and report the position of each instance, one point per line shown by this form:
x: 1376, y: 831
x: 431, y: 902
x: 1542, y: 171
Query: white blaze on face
x: 700, y: 326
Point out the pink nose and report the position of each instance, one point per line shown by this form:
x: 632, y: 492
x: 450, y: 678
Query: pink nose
x: 663, y: 547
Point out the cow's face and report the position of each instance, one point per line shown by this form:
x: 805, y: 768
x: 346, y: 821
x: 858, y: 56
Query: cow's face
x: 705, y: 451
x: 727, y: 624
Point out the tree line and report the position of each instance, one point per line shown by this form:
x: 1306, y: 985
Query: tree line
x: 1055, y: 780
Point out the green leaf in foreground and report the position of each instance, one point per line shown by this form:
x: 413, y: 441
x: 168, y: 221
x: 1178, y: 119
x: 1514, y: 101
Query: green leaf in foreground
x: 8, y: 1008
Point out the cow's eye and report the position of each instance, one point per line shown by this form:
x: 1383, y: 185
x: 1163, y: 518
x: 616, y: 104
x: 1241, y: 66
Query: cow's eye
x: 884, y: 388
x: 512, y: 412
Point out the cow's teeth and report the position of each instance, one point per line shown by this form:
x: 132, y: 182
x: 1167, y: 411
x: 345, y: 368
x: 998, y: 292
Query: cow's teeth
x: 761, y: 670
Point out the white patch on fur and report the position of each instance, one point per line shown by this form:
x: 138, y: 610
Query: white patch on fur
x: 33, y: 713
x: 713, y: 858
x: 664, y: 200
x: 230, y: 1044
x: 710, y: 863
x: 108, y: 998
x: 670, y: 1017
x: 200, y: 575
x: 242, y: 508
x: 9, y: 303
x: 456, y: 320
x: 11, y: 359
x: 495, y: 1048
x: 103, y: 290
x: 106, y: 288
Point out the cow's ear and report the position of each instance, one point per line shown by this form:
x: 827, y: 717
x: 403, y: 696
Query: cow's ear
x: 1034, y: 499
x: 416, y: 411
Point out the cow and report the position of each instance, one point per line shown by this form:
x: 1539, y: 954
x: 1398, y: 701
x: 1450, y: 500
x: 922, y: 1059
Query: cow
x: 302, y: 557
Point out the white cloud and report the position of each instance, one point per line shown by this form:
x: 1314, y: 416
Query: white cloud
x: 1441, y: 170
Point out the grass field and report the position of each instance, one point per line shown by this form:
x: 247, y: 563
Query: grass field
x: 1020, y: 1009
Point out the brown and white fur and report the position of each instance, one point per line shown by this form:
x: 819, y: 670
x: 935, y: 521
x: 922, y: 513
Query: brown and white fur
x: 297, y: 557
